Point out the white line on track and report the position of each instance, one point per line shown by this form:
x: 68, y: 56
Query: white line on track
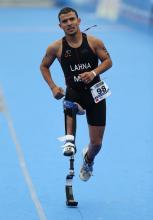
x: 34, y: 197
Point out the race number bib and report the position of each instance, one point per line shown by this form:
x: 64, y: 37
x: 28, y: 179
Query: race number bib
x: 100, y: 91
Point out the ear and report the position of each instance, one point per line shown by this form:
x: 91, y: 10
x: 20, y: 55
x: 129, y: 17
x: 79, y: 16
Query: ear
x: 59, y: 25
x: 79, y: 20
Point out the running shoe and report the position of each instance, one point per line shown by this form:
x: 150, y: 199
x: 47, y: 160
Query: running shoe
x: 87, y: 168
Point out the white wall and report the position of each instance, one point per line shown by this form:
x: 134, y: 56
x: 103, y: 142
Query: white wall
x: 26, y: 2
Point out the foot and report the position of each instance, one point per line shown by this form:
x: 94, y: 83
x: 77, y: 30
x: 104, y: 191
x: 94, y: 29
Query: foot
x: 87, y: 168
x: 69, y: 146
x: 69, y: 149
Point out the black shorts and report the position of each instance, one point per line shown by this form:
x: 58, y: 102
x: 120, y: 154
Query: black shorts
x: 95, y: 112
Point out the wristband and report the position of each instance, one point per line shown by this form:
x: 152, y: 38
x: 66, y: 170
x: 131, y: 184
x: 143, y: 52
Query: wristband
x: 94, y: 73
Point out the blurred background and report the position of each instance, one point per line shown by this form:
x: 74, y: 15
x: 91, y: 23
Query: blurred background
x: 32, y: 167
x: 137, y: 11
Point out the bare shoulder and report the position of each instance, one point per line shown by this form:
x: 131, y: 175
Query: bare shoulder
x: 98, y: 47
x: 54, y: 47
x: 52, y: 52
x: 95, y: 42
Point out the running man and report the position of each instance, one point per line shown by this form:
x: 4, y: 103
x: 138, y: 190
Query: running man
x: 78, y: 55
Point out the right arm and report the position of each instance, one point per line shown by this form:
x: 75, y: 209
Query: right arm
x: 47, y: 61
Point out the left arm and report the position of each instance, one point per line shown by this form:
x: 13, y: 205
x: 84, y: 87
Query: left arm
x: 106, y: 62
x: 104, y: 56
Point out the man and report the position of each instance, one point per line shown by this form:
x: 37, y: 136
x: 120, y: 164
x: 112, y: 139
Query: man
x: 78, y: 55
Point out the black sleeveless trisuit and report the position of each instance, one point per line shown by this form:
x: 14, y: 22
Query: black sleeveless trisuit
x: 73, y: 62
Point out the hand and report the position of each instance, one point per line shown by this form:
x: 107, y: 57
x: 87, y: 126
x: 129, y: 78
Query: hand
x: 58, y: 92
x: 87, y: 77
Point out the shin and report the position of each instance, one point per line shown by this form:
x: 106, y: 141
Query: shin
x: 96, y: 137
x: 93, y: 150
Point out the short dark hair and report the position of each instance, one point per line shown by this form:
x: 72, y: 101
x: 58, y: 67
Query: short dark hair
x: 67, y: 10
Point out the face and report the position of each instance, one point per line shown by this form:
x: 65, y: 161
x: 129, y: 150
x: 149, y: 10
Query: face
x: 69, y: 23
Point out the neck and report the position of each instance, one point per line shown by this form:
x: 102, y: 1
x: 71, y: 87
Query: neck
x: 75, y: 39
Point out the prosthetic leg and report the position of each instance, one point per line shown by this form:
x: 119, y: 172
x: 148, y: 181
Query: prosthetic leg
x: 68, y: 187
x: 70, y: 108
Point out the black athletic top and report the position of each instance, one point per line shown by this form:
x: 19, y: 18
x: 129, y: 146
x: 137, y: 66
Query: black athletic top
x: 78, y: 60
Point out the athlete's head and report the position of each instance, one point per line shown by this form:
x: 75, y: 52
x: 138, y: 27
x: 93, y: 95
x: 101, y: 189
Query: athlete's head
x: 67, y: 10
x: 69, y: 21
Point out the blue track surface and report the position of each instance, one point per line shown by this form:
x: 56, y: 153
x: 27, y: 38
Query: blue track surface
x: 122, y: 185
